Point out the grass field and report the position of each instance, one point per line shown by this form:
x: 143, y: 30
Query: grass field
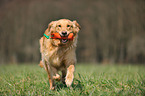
x: 90, y: 80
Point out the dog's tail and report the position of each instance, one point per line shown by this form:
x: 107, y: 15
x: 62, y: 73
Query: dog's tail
x: 41, y: 64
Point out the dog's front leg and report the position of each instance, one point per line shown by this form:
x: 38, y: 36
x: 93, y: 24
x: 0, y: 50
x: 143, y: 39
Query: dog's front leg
x: 69, y: 75
x: 49, y: 72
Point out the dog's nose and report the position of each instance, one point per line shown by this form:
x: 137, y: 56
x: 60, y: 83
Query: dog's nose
x: 64, y: 33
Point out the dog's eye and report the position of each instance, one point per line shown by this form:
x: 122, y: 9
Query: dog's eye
x: 59, y: 25
x: 68, y: 25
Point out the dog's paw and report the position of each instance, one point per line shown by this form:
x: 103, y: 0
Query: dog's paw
x: 52, y: 88
x: 68, y: 82
x: 57, y: 77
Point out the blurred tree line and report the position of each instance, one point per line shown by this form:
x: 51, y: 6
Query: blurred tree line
x: 113, y: 31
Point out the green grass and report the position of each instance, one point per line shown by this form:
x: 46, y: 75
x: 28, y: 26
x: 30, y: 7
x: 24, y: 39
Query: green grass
x: 88, y: 80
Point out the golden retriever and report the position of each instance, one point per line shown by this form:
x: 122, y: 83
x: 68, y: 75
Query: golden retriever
x: 59, y: 54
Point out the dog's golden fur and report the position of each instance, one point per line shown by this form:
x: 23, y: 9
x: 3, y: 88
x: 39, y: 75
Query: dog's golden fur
x: 57, y: 55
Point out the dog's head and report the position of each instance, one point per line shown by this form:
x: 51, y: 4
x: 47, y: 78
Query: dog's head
x: 64, y: 27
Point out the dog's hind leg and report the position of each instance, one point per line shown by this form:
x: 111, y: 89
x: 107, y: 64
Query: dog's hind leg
x: 56, y: 76
x: 63, y: 76
x: 41, y: 64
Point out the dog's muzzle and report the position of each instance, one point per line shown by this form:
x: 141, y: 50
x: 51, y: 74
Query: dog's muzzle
x: 64, y: 33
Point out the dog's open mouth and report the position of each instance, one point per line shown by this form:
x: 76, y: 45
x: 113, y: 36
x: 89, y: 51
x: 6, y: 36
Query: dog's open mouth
x: 64, y: 40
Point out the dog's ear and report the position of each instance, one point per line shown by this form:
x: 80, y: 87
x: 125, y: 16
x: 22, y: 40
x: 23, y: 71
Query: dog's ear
x: 50, y: 25
x: 77, y: 26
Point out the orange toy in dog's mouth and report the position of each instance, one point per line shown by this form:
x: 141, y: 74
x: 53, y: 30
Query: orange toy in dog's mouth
x: 64, y: 39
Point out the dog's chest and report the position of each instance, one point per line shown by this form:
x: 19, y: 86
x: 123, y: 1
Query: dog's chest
x: 55, y: 61
x: 56, y: 58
